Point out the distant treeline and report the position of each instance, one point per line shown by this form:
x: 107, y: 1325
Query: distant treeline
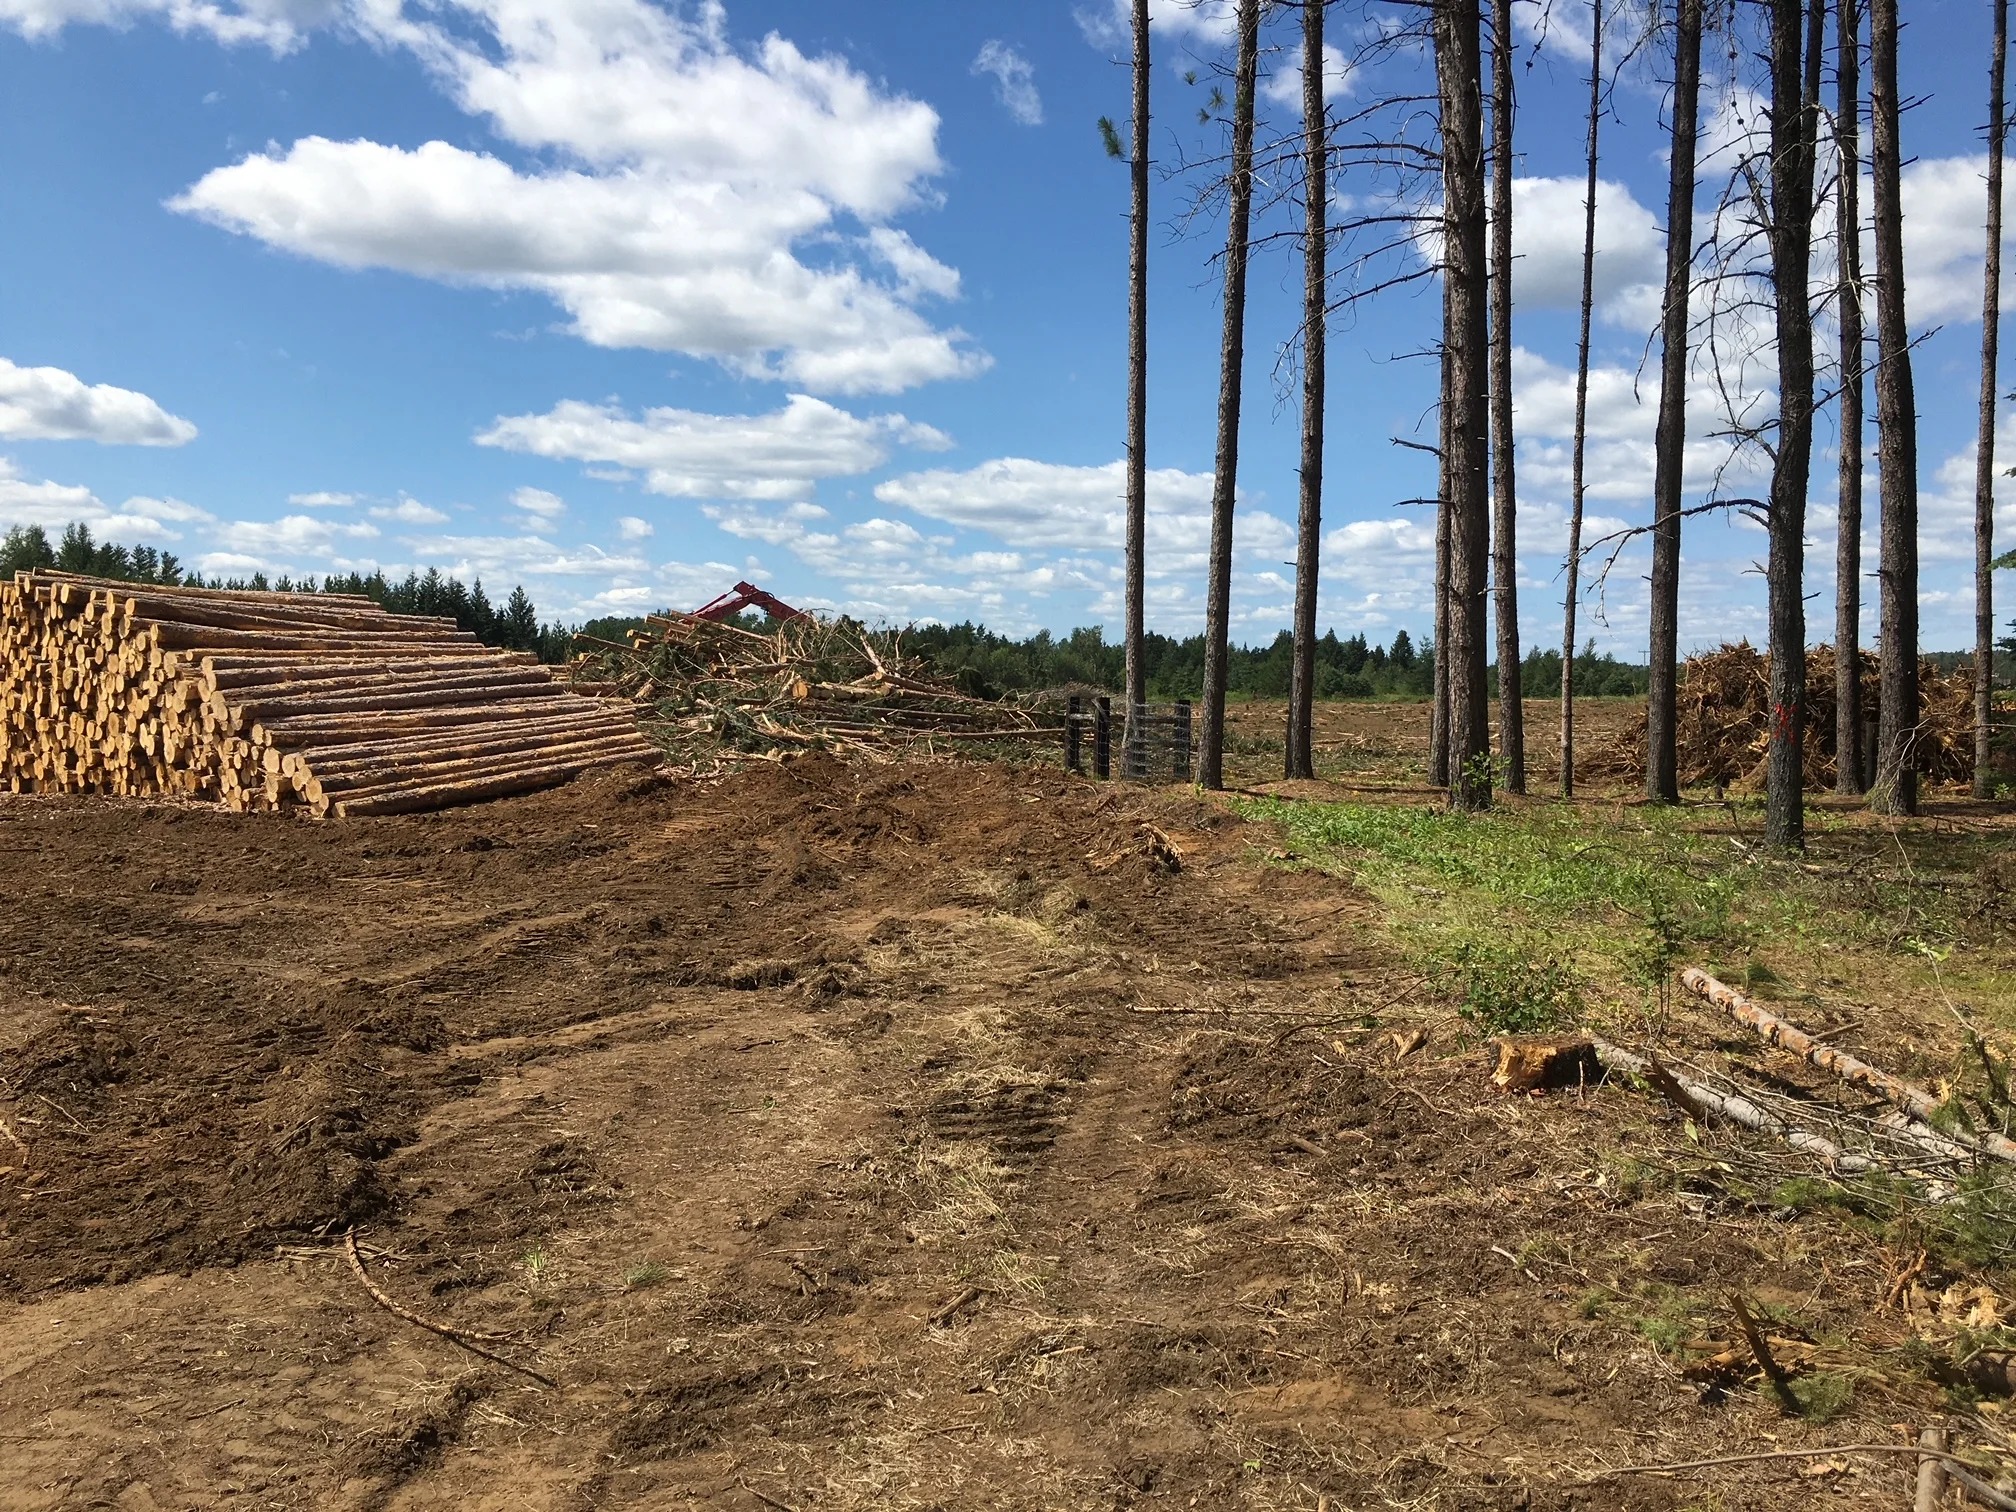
x: 1350, y: 667
x: 986, y: 663
x: 27, y: 548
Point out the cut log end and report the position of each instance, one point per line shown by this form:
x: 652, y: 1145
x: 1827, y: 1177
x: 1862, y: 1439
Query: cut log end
x: 238, y: 697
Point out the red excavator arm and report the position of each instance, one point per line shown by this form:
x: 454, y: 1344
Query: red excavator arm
x: 747, y: 596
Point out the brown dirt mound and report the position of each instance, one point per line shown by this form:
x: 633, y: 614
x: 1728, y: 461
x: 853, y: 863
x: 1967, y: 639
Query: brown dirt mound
x: 904, y: 1137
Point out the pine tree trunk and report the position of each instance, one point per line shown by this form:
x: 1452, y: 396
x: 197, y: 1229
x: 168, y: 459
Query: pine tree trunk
x: 1896, y: 782
x: 1662, y: 769
x: 1504, y: 478
x: 1574, y: 562
x: 1232, y: 360
x: 1445, y: 492
x: 1460, y: 75
x: 1794, y: 117
x: 1984, y: 459
x: 1137, y: 382
x: 1301, y: 757
x: 1849, y: 775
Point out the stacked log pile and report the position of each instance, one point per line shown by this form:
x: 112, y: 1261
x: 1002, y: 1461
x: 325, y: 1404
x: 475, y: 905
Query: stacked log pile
x: 278, y: 700
x: 1724, y: 726
x: 833, y: 684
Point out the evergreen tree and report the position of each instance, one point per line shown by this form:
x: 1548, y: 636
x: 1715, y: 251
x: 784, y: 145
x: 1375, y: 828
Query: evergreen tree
x: 26, y: 549
x: 519, y: 627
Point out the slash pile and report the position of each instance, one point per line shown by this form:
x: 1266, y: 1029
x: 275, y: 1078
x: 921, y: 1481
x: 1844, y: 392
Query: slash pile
x: 833, y: 684
x: 278, y: 700
x: 1724, y: 726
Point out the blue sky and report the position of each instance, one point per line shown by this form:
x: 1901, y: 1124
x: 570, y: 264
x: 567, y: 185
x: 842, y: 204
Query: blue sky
x: 625, y: 302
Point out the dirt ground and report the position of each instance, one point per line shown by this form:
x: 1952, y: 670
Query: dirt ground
x: 1383, y: 743
x: 825, y: 1137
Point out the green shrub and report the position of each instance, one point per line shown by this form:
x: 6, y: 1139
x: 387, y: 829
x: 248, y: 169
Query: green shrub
x: 1511, y: 989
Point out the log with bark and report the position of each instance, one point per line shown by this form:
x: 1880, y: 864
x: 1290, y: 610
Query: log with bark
x: 1698, y: 1099
x: 324, y: 702
x: 1911, y: 1099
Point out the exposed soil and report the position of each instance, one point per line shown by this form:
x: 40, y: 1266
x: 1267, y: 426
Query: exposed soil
x: 830, y: 1137
x: 1384, y: 742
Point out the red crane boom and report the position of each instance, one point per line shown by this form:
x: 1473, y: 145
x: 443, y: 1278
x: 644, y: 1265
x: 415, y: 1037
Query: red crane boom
x: 748, y: 596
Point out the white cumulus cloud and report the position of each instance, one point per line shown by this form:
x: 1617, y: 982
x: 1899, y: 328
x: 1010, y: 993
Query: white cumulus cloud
x: 1014, y: 81
x: 687, y: 454
x: 633, y: 529
x: 1284, y: 86
x: 539, y: 504
x: 1547, y: 230
x: 53, y: 506
x: 1946, y: 238
x: 1034, y: 504
x: 690, y: 173
x: 276, y: 24
x: 49, y: 404
x: 409, y: 512
x: 1106, y: 22
x: 289, y: 538
x: 497, y: 557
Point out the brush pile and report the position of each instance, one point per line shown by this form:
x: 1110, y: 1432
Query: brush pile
x: 716, y: 688
x: 278, y: 700
x: 1725, y: 721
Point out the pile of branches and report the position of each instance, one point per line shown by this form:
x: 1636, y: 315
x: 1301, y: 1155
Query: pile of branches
x: 1724, y: 722
x: 714, y: 689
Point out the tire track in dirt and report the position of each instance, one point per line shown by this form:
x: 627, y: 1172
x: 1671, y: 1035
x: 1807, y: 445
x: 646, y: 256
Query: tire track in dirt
x: 719, y: 1096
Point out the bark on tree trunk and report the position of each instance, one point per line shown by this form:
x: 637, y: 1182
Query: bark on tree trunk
x: 1849, y: 776
x: 1301, y: 760
x: 1445, y: 492
x: 1504, y: 489
x: 1460, y: 75
x: 1574, y: 562
x: 1232, y: 359
x: 1984, y: 460
x: 1794, y: 117
x: 1662, y: 771
x: 1896, y: 784
x: 1137, y: 379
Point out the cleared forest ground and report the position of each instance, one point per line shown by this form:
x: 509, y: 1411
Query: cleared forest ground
x: 942, y: 1136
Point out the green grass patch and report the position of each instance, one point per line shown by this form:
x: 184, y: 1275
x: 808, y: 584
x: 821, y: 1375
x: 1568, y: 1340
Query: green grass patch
x: 1518, y: 913
x: 1527, y: 915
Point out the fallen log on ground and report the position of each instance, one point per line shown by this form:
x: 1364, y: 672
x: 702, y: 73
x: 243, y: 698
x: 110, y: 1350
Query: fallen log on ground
x: 475, y: 1343
x: 1914, y: 1100
x: 1980, y: 1490
x: 358, y: 781
x: 1735, y: 1109
x: 501, y: 735
x: 505, y: 784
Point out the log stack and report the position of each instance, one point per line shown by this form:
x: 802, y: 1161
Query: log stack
x: 266, y: 701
